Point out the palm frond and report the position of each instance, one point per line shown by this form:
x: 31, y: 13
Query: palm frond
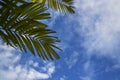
x: 63, y: 6
x: 20, y: 27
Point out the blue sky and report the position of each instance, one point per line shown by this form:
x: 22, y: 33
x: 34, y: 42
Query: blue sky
x: 90, y: 41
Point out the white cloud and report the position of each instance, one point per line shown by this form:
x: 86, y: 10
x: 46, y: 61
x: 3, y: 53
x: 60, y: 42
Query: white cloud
x: 10, y: 69
x: 85, y: 78
x: 33, y: 63
x: 63, y: 77
x: 86, y: 65
x: 72, y: 60
x: 99, y: 25
x: 88, y: 70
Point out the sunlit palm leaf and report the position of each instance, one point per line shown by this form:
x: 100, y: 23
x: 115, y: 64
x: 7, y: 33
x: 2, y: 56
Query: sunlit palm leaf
x: 20, y: 27
x: 59, y: 5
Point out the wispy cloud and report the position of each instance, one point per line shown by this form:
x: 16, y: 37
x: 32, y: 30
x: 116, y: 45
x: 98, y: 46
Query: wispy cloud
x: 99, y: 25
x: 88, y: 70
x: 63, y: 78
x: 72, y: 60
x: 11, y: 69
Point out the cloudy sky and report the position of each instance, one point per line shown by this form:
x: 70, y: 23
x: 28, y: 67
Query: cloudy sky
x: 90, y: 41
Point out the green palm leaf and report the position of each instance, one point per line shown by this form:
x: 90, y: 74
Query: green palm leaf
x: 59, y: 5
x: 20, y: 27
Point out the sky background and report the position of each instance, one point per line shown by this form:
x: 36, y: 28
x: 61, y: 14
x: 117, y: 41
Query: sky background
x: 90, y: 41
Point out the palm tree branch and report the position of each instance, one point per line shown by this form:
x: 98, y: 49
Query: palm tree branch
x: 22, y: 29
